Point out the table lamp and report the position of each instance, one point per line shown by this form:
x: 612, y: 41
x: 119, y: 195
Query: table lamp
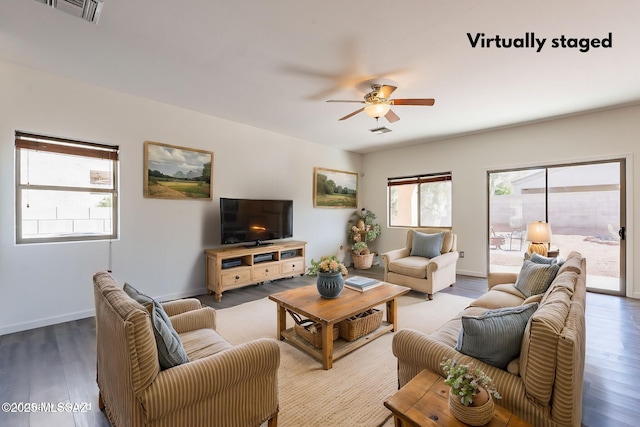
x: 539, y: 234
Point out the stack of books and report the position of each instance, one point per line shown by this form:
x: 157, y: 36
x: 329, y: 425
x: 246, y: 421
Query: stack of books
x: 361, y: 284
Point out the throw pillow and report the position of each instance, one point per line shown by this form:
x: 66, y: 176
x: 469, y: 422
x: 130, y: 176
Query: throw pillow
x: 539, y: 259
x: 427, y: 245
x: 170, y: 350
x: 495, y: 336
x: 535, y: 278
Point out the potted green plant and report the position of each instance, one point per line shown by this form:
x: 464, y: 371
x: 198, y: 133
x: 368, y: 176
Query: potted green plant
x: 470, y: 396
x: 361, y: 230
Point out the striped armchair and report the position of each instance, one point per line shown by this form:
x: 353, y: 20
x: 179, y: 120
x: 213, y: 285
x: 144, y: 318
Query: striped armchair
x: 221, y: 385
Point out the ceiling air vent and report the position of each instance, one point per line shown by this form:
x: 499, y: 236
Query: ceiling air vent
x: 89, y: 10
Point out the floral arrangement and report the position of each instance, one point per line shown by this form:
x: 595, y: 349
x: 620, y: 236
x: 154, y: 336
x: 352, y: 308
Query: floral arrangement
x: 327, y: 264
x: 360, y: 248
x: 465, y: 381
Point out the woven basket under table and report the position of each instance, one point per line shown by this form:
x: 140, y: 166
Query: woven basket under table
x: 360, y: 325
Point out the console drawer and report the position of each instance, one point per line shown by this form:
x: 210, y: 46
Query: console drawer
x: 266, y: 271
x: 236, y: 277
x: 293, y: 266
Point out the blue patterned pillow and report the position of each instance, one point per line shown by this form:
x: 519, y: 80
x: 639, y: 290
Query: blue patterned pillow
x: 535, y: 278
x: 427, y: 245
x: 539, y: 259
x: 495, y: 336
x: 170, y: 350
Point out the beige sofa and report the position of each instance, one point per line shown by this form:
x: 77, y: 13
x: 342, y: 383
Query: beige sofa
x: 422, y: 274
x: 220, y: 385
x: 543, y: 386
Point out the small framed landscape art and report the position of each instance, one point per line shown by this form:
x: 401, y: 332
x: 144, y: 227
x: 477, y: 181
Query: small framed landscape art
x: 335, y: 189
x: 172, y: 172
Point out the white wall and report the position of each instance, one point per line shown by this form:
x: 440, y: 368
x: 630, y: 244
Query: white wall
x: 161, y: 243
x: 604, y: 135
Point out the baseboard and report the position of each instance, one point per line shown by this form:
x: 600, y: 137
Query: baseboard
x: 69, y: 317
x: 46, y: 321
x: 471, y: 273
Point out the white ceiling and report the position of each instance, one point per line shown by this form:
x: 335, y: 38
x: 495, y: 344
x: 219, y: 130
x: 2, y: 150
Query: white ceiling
x: 273, y: 64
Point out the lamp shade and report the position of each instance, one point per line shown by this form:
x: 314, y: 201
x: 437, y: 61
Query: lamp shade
x: 377, y: 110
x: 539, y: 232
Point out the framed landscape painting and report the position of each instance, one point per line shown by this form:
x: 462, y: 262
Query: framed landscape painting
x: 335, y: 189
x: 172, y: 172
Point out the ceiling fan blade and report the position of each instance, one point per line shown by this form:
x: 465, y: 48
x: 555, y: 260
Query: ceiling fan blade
x: 391, y: 116
x: 344, y: 100
x: 352, y: 114
x: 414, y: 101
x: 386, y: 91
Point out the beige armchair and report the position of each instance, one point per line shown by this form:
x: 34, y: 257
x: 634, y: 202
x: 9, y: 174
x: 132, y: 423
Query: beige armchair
x: 423, y: 274
x: 220, y: 385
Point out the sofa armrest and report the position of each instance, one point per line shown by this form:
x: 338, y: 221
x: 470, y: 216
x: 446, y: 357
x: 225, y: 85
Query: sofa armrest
x: 393, y: 255
x: 501, y: 278
x: 181, y: 305
x: 202, y: 318
x: 209, y: 377
x: 419, y: 351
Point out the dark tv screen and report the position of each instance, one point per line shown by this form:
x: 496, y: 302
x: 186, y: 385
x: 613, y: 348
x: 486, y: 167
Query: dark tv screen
x: 250, y: 220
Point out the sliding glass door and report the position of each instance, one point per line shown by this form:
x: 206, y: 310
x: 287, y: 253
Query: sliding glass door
x: 583, y: 203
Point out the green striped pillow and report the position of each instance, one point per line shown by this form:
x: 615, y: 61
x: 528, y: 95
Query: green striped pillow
x: 495, y: 336
x: 535, y: 278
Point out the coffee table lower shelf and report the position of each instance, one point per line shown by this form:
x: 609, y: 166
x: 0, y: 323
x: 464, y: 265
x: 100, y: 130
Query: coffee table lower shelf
x: 341, y: 347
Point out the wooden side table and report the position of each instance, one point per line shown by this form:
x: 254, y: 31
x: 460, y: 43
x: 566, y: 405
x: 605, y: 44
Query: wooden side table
x: 424, y: 402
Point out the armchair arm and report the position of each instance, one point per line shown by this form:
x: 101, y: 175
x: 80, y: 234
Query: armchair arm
x: 202, y: 318
x: 501, y: 278
x: 180, y: 306
x: 393, y: 255
x: 442, y: 261
x: 202, y: 379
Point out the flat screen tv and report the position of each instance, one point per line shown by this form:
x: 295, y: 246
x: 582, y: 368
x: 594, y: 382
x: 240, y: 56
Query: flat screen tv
x: 257, y: 221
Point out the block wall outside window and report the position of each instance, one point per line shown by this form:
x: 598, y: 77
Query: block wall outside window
x: 66, y: 190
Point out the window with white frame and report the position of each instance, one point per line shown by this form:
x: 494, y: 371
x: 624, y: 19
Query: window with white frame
x: 66, y: 190
x: 420, y: 200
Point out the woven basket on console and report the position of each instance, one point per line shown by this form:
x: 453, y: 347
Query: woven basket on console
x: 360, y: 325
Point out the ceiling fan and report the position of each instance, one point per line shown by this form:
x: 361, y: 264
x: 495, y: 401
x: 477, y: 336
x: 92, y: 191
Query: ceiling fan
x: 379, y: 105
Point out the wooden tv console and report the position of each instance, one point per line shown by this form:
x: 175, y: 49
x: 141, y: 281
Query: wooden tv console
x: 238, y: 266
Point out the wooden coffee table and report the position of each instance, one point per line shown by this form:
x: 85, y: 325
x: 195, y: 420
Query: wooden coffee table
x: 424, y: 401
x: 308, y: 303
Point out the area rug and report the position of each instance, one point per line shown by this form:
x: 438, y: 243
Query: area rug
x: 350, y: 394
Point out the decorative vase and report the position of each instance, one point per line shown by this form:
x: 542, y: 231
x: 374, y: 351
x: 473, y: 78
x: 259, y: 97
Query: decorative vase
x: 330, y: 284
x: 478, y: 413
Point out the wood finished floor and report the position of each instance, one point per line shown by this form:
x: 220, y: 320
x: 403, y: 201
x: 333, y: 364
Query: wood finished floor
x: 57, y: 363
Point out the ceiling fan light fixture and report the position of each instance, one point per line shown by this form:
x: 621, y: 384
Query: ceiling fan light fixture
x: 377, y: 110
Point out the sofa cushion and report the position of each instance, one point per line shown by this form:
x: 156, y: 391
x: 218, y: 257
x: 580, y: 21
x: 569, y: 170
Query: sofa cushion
x: 427, y: 245
x: 495, y: 337
x: 572, y: 263
x: 535, y: 278
x: 170, y: 350
x: 412, y: 266
x: 540, y: 345
x: 505, y: 295
x: 201, y: 343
